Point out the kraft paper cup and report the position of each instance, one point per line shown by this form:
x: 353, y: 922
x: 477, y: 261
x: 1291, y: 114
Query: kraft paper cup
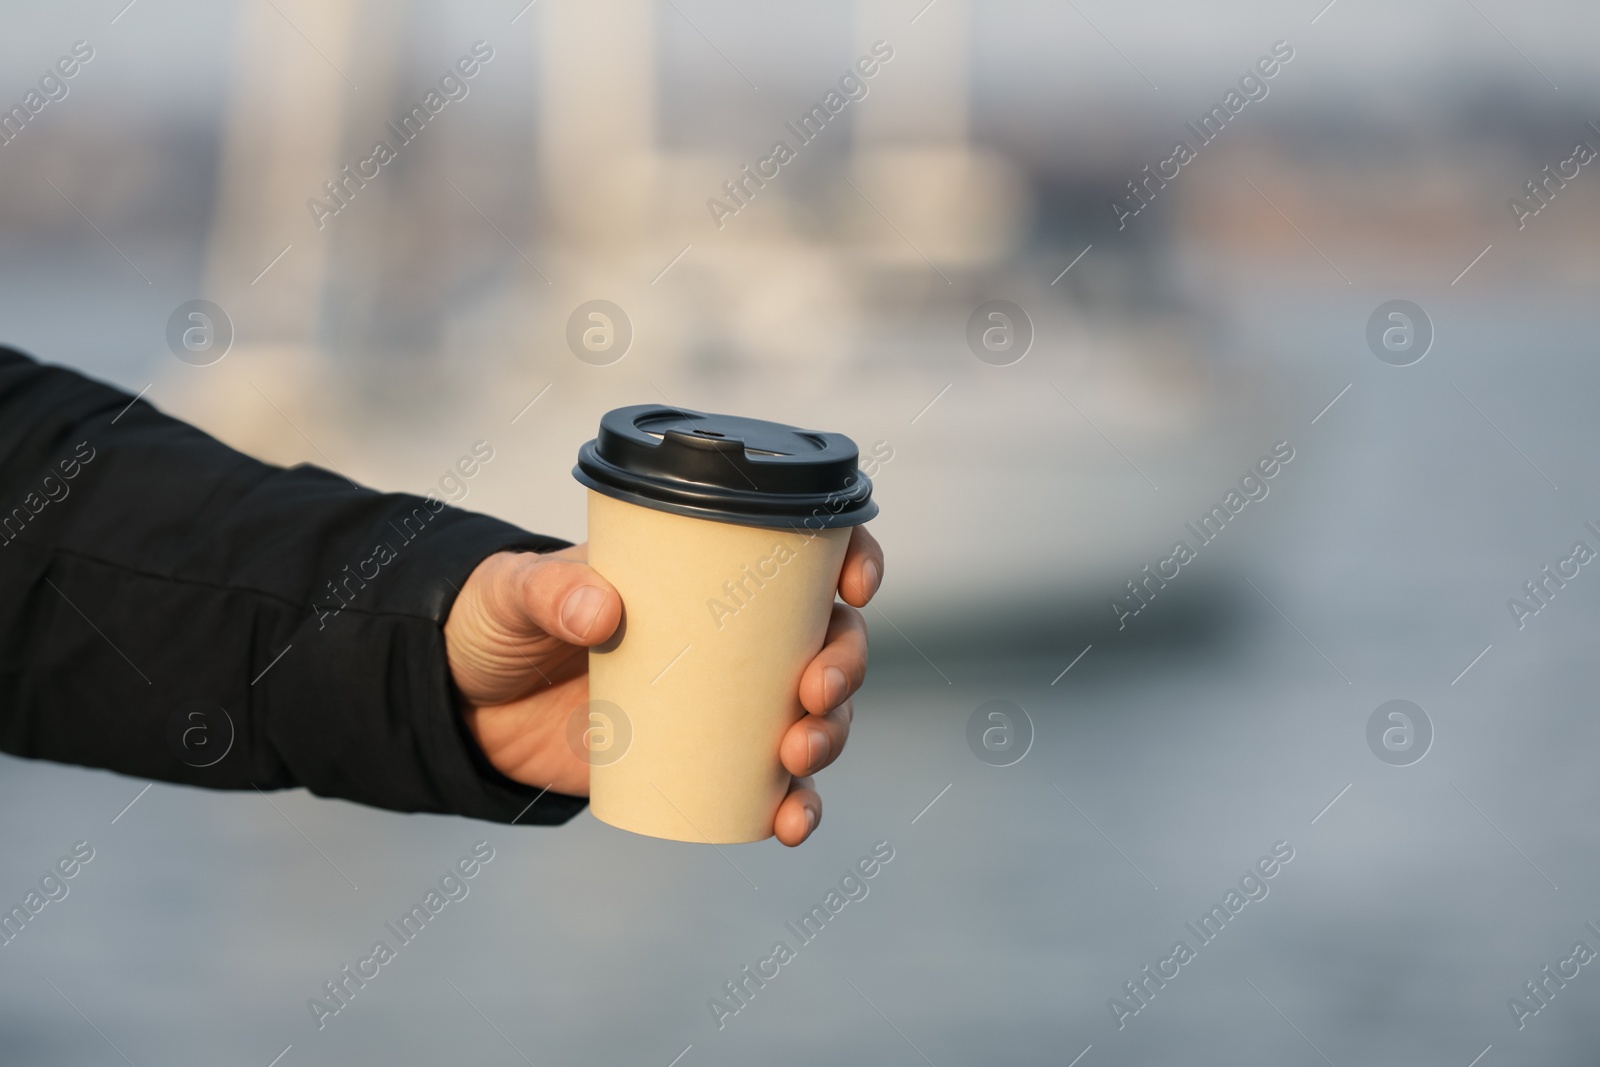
x: 719, y: 621
x: 725, y: 536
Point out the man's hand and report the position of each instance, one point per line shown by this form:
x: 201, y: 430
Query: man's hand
x: 518, y: 639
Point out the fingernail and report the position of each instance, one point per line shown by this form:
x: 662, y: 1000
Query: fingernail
x: 833, y: 685
x: 582, y: 609
x: 811, y: 820
x: 816, y: 747
x: 870, y: 569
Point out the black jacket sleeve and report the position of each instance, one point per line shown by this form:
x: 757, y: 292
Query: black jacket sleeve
x: 149, y: 572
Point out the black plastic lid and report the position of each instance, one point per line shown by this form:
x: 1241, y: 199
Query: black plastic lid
x: 727, y: 468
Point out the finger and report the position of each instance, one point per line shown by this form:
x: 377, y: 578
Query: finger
x: 799, y: 814
x: 863, y: 568
x: 816, y: 740
x: 560, y: 596
x: 840, y: 668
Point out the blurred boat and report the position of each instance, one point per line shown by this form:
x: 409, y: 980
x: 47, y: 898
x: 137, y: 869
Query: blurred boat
x: 838, y: 297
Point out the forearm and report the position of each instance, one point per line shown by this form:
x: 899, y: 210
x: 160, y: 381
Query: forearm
x: 144, y: 565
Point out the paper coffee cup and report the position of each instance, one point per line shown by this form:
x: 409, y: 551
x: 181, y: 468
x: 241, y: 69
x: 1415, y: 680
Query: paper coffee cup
x: 725, y: 538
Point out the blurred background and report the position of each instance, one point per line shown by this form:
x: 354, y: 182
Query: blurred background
x: 1145, y: 363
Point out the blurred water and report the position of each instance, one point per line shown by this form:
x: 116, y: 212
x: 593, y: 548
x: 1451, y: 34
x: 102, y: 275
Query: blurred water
x: 1413, y: 907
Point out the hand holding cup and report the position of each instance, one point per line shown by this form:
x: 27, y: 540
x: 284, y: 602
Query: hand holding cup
x: 517, y: 641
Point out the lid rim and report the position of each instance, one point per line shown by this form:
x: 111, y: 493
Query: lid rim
x: 816, y: 518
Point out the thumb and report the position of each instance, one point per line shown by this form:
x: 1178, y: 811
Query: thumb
x: 565, y: 598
